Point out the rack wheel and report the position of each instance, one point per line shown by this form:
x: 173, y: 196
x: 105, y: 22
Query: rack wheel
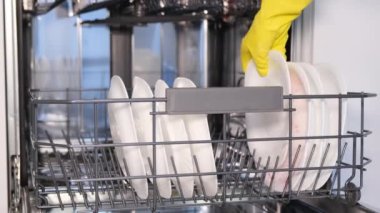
x: 352, y: 194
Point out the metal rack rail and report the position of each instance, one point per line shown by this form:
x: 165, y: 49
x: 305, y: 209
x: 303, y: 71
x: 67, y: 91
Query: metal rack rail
x: 78, y: 167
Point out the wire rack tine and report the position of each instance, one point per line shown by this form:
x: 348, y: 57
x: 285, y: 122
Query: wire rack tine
x: 94, y: 165
x: 255, y: 176
x: 200, y: 178
x: 237, y: 176
x: 236, y: 152
x: 55, y: 183
x: 223, y: 155
x: 103, y: 151
x: 65, y: 176
x: 106, y: 186
x: 218, y: 159
x: 58, y: 157
x: 249, y: 167
x: 153, y: 165
x: 250, y: 192
x: 75, y: 168
x: 231, y: 152
x: 151, y: 169
x: 85, y: 199
x: 274, y: 174
x: 263, y: 176
x: 362, y: 132
x: 293, y: 164
x: 353, y: 160
x: 177, y: 179
x: 224, y: 136
x: 92, y: 161
x: 120, y: 184
x: 338, y: 160
x: 129, y: 182
x: 109, y: 174
x: 233, y: 162
x: 106, y: 161
x: 320, y: 169
x: 96, y: 153
x: 96, y: 184
x: 339, y: 141
x: 228, y: 152
x: 86, y: 163
x: 307, y: 166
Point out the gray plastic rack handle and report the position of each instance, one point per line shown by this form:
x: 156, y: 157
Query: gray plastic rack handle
x: 224, y: 100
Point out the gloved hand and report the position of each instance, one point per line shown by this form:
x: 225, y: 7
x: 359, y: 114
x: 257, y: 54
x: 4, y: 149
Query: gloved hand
x: 269, y: 31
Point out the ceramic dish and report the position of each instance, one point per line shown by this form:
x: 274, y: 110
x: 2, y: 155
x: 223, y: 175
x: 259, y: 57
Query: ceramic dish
x: 332, y: 84
x: 273, y: 124
x: 316, y: 128
x: 300, y: 127
x: 197, y: 129
x: 144, y: 126
x: 123, y: 131
x: 174, y: 129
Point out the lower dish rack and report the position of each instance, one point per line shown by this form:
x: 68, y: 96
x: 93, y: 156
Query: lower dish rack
x: 74, y: 165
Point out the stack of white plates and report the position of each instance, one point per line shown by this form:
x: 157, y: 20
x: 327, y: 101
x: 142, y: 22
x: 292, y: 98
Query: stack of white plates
x: 312, y: 117
x: 123, y: 130
x: 131, y: 123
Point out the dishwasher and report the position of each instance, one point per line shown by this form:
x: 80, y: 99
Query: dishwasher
x: 59, y: 58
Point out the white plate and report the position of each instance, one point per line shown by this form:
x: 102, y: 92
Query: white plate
x: 301, y: 120
x: 197, y: 129
x: 65, y: 197
x: 273, y: 124
x: 317, y: 126
x: 144, y: 127
x: 332, y: 84
x: 123, y: 131
x: 173, y: 128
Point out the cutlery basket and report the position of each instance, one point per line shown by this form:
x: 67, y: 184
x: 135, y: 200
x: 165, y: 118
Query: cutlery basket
x: 74, y: 163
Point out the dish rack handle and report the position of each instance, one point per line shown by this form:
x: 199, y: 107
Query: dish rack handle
x: 224, y: 100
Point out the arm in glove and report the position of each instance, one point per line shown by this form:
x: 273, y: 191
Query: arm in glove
x: 269, y: 31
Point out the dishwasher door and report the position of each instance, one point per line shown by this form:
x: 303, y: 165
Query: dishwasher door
x: 3, y: 114
x: 10, y: 101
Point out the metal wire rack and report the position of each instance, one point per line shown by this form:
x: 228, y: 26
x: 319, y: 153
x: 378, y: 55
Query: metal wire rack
x: 76, y: 165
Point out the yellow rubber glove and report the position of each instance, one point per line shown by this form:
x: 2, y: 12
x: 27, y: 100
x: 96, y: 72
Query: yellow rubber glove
x: 269, y: 31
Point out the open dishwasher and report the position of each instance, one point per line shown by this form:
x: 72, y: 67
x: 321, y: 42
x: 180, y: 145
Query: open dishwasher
x: 61, y: 153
